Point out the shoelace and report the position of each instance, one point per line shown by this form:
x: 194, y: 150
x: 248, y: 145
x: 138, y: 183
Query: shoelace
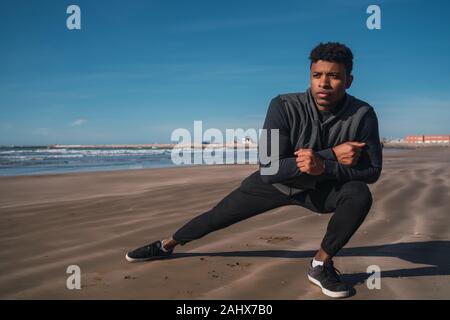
x: 157, y: 249
x: 152, y: 249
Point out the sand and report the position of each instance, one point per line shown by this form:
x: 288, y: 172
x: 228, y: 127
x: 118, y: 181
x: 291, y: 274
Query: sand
x: 49, y: 222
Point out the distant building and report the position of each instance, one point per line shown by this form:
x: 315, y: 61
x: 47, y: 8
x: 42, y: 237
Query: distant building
x: 437, y: 139
x: 414, y: 139
x: 428, y: 138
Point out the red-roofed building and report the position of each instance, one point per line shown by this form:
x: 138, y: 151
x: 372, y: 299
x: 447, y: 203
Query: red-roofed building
x: 445, y: 138
x: 414, y: 139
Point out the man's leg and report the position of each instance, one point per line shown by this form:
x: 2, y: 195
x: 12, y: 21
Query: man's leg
x: 252, y: 197
x: 350, y: 201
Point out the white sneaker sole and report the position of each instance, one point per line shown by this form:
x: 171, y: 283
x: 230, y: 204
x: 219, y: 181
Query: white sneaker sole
x: 133, y: 260
x: 332, y: 294
x: 145, y: 259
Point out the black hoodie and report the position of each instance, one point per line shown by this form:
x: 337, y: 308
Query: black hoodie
x: 300, y: 126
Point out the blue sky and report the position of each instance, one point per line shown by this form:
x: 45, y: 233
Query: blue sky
x: 137, y: 70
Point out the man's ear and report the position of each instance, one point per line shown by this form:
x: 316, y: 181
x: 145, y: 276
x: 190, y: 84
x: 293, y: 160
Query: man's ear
x: 348, y: 81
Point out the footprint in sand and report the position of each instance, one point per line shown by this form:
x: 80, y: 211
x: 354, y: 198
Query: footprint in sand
x: 275, y: 239
x: 238, y: 264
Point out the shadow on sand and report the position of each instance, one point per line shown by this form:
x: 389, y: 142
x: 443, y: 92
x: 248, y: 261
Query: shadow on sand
x: 435, y: 254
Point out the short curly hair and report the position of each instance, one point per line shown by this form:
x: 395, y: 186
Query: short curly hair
x: 333, y: 52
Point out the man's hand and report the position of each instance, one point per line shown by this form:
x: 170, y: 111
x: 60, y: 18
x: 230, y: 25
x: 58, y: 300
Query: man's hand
x: 308, y: 162
x: 348, y: 153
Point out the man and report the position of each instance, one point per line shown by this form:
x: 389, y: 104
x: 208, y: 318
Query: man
x: 329, y: 150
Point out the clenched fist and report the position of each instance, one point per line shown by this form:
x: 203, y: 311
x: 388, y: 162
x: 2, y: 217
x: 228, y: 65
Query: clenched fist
x: 348, y: 153
x: 309, y: 162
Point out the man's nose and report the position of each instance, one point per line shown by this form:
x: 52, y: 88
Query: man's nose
x: 324, y: 82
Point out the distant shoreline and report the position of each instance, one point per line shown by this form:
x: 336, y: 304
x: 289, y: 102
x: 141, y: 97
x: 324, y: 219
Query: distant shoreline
x: 399, y: 145
x: 133, y: 146
x: 406, y: 145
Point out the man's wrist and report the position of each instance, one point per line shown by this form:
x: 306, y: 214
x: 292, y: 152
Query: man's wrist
x: 327, y: 154
x: 319, y: 163
x: 330, y: 169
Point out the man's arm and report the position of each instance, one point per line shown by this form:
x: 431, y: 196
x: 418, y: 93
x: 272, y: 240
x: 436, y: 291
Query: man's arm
x: 287, y: 166
x: 369, y: 165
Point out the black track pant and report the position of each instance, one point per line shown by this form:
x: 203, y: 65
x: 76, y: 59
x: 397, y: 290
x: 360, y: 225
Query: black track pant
x: 350, y: 202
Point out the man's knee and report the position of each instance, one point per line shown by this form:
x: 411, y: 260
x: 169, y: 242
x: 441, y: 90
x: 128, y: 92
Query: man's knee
x: 357, y: 191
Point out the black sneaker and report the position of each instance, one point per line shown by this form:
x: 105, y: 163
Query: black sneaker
x: 328, y: 280
x: 151, y: 251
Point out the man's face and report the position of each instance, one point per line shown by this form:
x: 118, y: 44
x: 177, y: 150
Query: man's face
x: 328, y: 83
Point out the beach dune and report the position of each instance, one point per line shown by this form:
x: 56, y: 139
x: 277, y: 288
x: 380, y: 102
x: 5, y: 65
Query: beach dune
x: 50, y: 222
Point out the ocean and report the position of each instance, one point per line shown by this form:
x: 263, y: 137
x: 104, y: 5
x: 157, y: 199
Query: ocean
x: 44, y: 160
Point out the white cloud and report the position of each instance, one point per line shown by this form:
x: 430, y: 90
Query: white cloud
x: 78, y: 122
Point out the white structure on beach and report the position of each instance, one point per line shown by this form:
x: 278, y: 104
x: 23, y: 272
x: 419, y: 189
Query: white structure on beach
x: 247, y: 140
